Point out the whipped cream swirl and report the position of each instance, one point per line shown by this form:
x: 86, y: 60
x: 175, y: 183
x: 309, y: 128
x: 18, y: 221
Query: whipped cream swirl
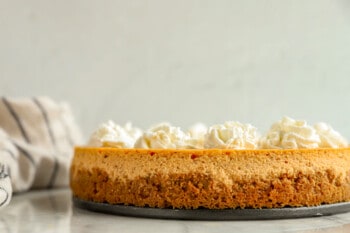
x: 292, y: 134
x: 196, y: 134
x: 112, y: 135
x: 329, y: 137
x: 232, y: 135
x: 163, y: 136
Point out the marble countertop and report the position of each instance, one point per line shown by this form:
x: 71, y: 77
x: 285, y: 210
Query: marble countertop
x: 52, y: 211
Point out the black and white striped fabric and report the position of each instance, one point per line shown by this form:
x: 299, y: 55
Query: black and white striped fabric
x: 37, y: 136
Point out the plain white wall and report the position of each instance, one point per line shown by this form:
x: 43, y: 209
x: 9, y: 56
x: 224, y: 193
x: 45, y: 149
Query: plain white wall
x: 181, y: 61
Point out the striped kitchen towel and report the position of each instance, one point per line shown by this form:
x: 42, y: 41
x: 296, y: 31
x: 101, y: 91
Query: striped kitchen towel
x: 37, y: 136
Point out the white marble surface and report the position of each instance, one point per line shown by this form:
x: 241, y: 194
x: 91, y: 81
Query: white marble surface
x: 52, y: 211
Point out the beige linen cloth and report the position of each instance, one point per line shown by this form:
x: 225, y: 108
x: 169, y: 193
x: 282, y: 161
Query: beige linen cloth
x: 37, y: 136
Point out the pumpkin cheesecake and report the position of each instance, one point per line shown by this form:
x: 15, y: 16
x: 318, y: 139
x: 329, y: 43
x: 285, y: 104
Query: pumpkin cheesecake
x: 224, y: 166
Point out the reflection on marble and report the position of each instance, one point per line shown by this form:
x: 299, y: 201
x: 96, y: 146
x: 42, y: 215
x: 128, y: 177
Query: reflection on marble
x: 39, y: 211
x: 52, y: 211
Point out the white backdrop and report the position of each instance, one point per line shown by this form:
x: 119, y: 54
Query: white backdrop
x: 181, y: 61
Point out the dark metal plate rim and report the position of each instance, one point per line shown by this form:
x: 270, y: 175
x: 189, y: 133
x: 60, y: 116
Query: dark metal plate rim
x: 210, y: 214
